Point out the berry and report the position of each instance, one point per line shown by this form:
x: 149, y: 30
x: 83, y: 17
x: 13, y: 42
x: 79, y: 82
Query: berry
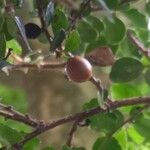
x: 78, y: 69
x: 32, y: 30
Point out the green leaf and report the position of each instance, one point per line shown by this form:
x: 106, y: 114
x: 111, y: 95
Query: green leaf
x: 1, y: 22
x: 147, y: 76
x: 134, y: 135
x: 11, y: 26
x: 114, y: 31
x: 126, y: 49
x: 95, y: 23
x: 15, y: 46
x: 58, y: 39
x: 106, y: 144
x: 32, y: 144
x: 7, y: 135
x: 147, y: 8
x: 73, y: 148
x: 72, y: 42
x: 48, y: 148
x: 2, y: 45
x: 121, y: 91
x: 112, y: 4
x: 59, y: 21
x: 121, y: 137
x: 87, y: 33
x: 134, y: 16
x: 91, y: 104
x: 143, y: 127
x: 126, y: 69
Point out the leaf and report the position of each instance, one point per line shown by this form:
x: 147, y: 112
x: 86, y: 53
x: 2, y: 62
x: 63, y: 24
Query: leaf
x: 48, y: 148
x: 147, y: 8
x: 134, y: 135
x: 112, y: 4
x: 95, y: 23
x: 11, y: 26
x: 121, y: 137
x: 72, y: 42
x: 134, y: 16
x: 15, y: 46
x: 49, y: 13
x: 121, y: 91
x: 32, y: 144
x: 125, y: 69
x: 73, y: 148
x: 114, y: 31
x: 104, y: 143
x: 127, y: 49
x: 147, y: 76
x: 58, y: 39
x: 142, y: 126
x: 1, y: 21
x: 101, y: 56
x: 2, y: 45
x: 6, y: 134
x: 59, y: 21
x: 87, y: 33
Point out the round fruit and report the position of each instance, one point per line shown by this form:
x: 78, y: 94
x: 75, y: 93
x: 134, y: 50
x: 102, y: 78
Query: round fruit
x: 78, y: 69
x: 32, y: 30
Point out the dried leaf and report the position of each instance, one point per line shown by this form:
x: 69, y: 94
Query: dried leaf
x: 101, y: 56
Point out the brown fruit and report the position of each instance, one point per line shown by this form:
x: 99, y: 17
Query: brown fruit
x: 78, y: 69
x: 101, y: 56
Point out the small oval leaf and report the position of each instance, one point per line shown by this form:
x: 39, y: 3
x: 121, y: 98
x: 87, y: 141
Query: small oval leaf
x: 73, y: 41
x: 126, y: 69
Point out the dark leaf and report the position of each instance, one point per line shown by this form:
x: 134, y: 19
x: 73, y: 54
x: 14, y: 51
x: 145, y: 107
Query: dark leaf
x: 49, y: 13
x: 87, y: 32
x: 126, y: 69
x: 58, y: 39
x: 114, y: 31
x: 2, y: 45
x: 105, y: 143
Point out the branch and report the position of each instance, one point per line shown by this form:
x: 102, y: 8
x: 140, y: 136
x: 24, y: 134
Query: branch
x: 83, y: 115
x: 98, y: 84
x: 77, y: 15
x: 10, y: 113
x: 42, y: 19
x: 138, y: 44
x: 37, y: 66
x: 72, y: 131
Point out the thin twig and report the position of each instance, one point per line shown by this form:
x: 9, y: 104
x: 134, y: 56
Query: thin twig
x: 71, y: 133
x: 39, y: 66
x: 138, y: 44
x: 83, y: 115
x: 42, y: 19
x: 9, y: 113
x: 98, y: 84
x: 78, y: 15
